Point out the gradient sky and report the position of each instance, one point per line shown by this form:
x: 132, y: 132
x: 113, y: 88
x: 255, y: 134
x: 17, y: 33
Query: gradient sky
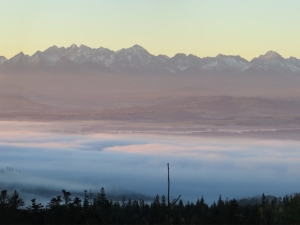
x: 204, y: 28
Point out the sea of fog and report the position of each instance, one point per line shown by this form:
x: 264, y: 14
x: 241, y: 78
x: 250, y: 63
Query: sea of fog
x: 47, y: 162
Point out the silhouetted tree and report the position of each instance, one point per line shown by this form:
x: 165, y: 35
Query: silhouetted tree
x: 263, y: 205
x: 66, y: 198
x: 292, y: 209
x: 35, y: 207
x: 4, y: 198
x: 35, y: 210
x: 15, y: 201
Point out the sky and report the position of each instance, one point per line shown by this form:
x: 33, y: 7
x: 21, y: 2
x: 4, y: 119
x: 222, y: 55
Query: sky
x: 234, y: 168
x: 247, y: 28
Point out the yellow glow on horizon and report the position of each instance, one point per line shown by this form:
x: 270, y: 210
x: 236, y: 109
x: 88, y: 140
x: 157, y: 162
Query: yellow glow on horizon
x: 203, y: 28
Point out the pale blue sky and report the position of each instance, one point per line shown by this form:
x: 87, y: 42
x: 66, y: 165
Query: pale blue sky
x: 204, y: 28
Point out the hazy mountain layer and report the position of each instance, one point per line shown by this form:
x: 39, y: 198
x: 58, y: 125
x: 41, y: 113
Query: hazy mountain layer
x: 136, y: 59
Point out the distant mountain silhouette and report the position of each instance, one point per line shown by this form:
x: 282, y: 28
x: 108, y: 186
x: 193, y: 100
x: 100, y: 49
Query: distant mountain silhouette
x: 136, y: 59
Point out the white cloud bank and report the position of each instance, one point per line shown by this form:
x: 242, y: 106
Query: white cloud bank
x: 208, y: 167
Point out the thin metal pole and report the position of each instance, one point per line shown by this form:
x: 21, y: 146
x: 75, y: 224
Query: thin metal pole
x: 168, y: 186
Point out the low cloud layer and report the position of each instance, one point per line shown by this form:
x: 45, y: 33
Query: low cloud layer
x: 199, y: 167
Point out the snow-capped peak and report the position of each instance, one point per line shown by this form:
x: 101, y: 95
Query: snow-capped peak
x: 270, y: 55
x: 36, y: 56
x: 137, y: 47
x: 19, y: 56
x: 73, y: 46
x: 133, y: 50
x: 84, y: 47
x: 2, y: 59
x: 220, y: 56
x: 53, y: 47
x: 139, y: 59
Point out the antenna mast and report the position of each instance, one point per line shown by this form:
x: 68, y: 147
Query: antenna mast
x: 173, y: 202
x: 168, y: 185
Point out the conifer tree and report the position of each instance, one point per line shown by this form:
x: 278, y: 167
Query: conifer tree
x: 15, y: 201
x: 35, y: 207
x: 66, y: 197
x: 4, y: 198
x: 55, y: 202
x: 86, y: 200
x: 263, y: 205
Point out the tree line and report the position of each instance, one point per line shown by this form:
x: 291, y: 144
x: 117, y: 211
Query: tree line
x: 97, y: 209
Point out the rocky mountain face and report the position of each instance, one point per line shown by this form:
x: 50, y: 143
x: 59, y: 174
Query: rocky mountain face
x: 136, y: 59
x: 2, y: 60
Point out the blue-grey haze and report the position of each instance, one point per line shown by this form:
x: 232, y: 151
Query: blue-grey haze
x: 199, y: 167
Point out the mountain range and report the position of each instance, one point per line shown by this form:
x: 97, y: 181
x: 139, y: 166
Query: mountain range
x: 136, y: 59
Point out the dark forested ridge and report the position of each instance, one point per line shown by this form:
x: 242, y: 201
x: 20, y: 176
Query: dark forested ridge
x: 97, y: 209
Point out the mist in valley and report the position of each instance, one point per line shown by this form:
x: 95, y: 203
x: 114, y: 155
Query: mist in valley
x: 134, y: 165
x: 98, y: 97
x: 83, y: 130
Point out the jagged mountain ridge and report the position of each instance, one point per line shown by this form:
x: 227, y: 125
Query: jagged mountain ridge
x: 2, y: 59
x: 138, y: 59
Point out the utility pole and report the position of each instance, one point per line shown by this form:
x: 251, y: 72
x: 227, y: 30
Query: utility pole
x: 168, y: 186
x: 170, y: 204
